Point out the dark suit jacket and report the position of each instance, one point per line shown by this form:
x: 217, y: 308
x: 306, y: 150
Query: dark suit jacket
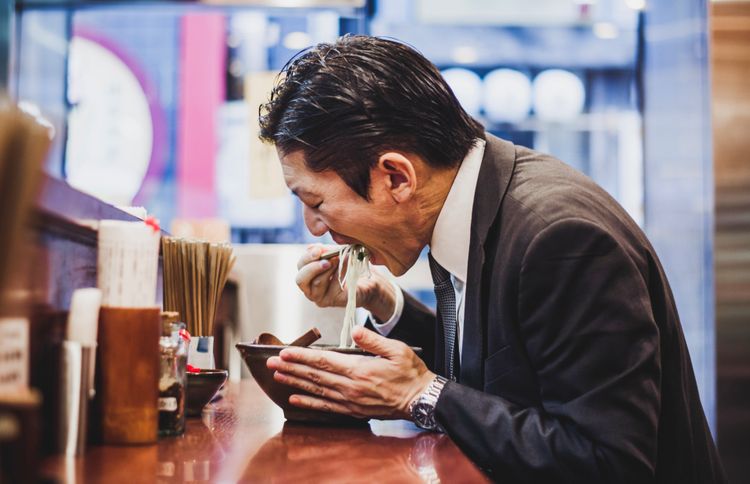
x: 574, y: 364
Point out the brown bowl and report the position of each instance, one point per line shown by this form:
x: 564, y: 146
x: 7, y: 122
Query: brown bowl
x: 201, y: 388
x: 256, y: 355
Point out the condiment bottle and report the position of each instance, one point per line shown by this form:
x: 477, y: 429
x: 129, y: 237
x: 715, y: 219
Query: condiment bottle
x: 172, y: 377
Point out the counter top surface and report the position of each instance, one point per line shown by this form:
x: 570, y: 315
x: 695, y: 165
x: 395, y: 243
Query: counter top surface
x: 244, y: 437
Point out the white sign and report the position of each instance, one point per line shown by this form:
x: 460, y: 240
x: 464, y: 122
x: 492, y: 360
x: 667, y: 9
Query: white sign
x: 14, y: 355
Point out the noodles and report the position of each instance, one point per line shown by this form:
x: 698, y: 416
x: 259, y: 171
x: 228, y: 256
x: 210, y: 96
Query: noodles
x: 357, y: 263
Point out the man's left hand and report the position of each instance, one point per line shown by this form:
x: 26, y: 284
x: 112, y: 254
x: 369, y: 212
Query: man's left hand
x: 361, y: 386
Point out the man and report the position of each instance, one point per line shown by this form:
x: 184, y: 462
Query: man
x: 557, y: 353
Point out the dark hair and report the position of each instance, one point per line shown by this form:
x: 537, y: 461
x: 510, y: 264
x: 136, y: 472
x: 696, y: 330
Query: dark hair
x: 346, y: 103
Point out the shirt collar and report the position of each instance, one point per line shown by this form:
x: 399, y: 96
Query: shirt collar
x: 452, y: 234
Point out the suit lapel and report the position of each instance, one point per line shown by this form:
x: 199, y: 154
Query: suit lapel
x: 495, y: 174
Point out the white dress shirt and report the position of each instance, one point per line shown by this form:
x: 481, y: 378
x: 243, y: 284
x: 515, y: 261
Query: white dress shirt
x: 450, y: 238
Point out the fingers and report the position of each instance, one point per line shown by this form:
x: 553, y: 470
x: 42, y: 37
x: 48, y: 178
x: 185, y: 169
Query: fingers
x: 313, y: 375
x: 309, y: 273
x: 316, y: 278
x: 313, y: 253
x: 377, y: 344
x: 353, y: 384
x: 321, y: 285
x: 309, y: 386
x: 311, y: 270
x: 329, y: 361
x: 321, y: 383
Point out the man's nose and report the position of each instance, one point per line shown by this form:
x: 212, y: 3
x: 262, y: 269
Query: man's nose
x: 314, y: 224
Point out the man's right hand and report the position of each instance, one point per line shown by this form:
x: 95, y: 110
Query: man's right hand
x: 318, y: 280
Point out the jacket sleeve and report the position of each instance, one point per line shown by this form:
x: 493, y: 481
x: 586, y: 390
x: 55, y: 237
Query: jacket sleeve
x: 415, y: 328
x: 585, y: 321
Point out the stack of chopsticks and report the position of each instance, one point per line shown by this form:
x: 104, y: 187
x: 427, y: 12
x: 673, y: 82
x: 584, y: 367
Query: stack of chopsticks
x: 195, y: 273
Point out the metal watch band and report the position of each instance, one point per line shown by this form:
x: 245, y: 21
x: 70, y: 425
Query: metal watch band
x: 433, y: 390
x: 422, y: 409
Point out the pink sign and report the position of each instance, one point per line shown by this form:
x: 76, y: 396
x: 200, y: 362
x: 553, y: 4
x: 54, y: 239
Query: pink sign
x: 202, y: 68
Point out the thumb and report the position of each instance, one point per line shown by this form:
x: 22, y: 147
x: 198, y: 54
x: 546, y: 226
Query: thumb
x: 373, y: 342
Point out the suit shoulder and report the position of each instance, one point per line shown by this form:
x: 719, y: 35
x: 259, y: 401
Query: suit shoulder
x: 544, y: 192
x: 545, y: 189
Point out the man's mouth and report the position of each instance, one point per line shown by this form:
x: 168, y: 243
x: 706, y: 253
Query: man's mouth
x: 342, y: 239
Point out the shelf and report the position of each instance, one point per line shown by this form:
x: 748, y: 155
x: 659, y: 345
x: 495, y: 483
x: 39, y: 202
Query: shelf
x: 584, y: 123
x: 63, y: 210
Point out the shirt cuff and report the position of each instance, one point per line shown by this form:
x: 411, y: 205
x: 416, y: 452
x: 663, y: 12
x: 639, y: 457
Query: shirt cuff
x: 386, y: 327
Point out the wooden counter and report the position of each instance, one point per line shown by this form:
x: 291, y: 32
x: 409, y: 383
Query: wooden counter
x: 244, y: 437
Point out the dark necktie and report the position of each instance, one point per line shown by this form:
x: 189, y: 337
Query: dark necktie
x: 446, y: 303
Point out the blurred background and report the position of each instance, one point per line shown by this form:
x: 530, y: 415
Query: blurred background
x: 154, y: 104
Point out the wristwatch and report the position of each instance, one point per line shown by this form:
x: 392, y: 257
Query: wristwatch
x: 422, y: 409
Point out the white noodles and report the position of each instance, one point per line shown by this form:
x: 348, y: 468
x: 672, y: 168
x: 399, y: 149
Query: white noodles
x: 357, y: 260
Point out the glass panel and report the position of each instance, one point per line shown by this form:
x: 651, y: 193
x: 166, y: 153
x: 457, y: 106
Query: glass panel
x: 155, y: 104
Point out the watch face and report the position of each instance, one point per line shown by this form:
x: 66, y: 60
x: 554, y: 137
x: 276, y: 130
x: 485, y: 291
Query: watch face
x: 424, y: 415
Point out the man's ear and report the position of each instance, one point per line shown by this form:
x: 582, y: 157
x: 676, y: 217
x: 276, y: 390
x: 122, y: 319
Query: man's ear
x: 399, y: 175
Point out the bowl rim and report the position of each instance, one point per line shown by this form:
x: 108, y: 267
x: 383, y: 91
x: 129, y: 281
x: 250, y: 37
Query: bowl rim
x: 208, y: 371
x: 335, y: 348
x: 259, y: 345
x: 330, y: 347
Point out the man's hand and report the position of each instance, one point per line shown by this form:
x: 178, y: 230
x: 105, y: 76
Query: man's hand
x: 361, y: 386
x: 318, y: 280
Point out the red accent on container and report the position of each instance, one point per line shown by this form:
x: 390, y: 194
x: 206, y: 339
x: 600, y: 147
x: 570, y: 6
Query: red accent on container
x: 153, y: 223
x: 185, y: 335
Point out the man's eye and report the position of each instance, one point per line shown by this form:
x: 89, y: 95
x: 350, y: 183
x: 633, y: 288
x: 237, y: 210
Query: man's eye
x: 317, y: 205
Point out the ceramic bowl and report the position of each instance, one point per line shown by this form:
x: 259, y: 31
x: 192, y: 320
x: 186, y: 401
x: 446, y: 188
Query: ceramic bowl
x: 201, y: 388
x: 255, y: 357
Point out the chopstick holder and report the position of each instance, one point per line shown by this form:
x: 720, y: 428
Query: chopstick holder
x: 201, y: 352
x: 128, y: 374
x: 127, y: 377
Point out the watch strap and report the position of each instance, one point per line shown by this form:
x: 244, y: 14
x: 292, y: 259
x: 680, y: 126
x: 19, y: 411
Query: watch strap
x: 427, y: 400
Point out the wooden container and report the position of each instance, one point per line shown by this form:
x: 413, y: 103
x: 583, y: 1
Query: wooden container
x: 127, y: 383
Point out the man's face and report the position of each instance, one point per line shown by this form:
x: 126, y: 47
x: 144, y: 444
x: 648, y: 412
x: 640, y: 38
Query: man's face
x: 330, y: 205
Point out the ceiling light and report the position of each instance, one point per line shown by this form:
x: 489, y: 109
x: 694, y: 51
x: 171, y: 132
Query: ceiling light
x: 636, y: 4
x: 465, y: 55
x: 606, y: 30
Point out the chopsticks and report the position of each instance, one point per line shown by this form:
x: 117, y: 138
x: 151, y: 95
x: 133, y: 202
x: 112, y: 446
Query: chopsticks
x: 361, y: 251
x: 195, y: 273
x: 330, y: 254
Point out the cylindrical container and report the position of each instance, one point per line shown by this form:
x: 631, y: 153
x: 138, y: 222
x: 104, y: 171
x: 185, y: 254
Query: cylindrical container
x: 75, y: 389
x: 128, y: 374
x: 201, y: 352
x: 172, y: 377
